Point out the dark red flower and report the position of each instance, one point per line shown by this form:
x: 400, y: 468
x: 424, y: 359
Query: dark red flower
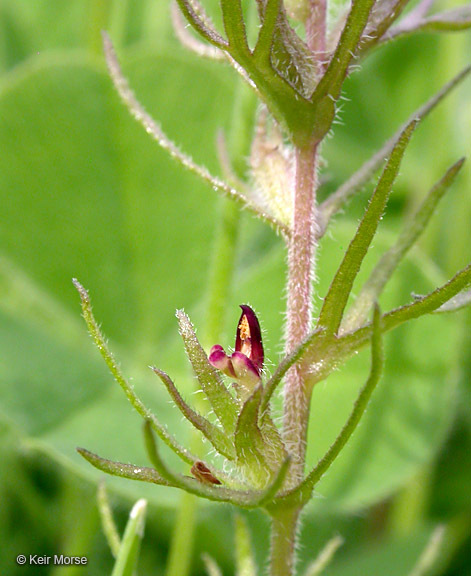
x: 246, y: 363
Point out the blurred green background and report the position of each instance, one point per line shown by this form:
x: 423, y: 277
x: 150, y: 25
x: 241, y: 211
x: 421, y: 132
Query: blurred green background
x: 85, y: 193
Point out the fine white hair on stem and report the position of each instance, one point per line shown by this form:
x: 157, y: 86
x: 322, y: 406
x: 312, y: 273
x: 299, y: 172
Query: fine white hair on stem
x: 153, y: 129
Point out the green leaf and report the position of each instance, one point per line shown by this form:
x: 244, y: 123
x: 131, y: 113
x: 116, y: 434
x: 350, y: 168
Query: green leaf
x: 382, y: 272
x: 127, y: 559
x: 305, y: 488
x: 123, y: 470
x: 269, y: 13
x: 234, y: 26
x: 214, y: 434
x: 336, y: 299
x: 196, y: 16
x: 249, y: 442
x: 283, y: 50
x: 94, y: 199
x: 454, y: 20
x: 245, y: 560
x: 136, y: 109
x: 459, y: 301
x: 242, y: 498
x: 340, y: 197
x: 224, y: 405
x: 329, y: 88
x: 383, y: 15
x: 136, y: 403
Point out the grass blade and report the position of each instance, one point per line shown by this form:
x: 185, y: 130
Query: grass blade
x: 245, y: 560
x: 129, y: 550
x: 325, y: 557
x: 211, y: 566
x: 107, y: 521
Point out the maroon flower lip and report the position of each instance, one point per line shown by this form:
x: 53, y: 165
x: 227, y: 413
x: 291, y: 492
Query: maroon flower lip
x: 246, y: 363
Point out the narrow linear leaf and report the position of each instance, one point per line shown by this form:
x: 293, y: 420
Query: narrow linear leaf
x: 429, y: 303
x: 353, y: 341
x: 196, y: 16
x: 234, y: 26
x: 431, y: 554
x: 317, y: 347
x: 123, y: 470
x: 456, y: 303
x: 329, y: 88
x: 248, y: 440
x: 335, y: 201
x: 336, y: 299
x: 245, y: 560
x: 155, y: 131
x: 211, y: 566
x: 454, y: 20
x: 108, y: 357
x: 271, y: 436
x: 325, y: 557
x: 108, y: 524
x: 224, y: 405
x: 217, y: 438
x: 383, y: 271
x: 271, y: 11
x: 383, y: 15
x: 126, y: 561
x: 276, y: 484
x: 189, y: 41
x: 243, y: 498
x: 283, y: 50
x: 304, y: 490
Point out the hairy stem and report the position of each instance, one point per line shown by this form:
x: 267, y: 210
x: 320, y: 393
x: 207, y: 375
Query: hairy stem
x: 316, y: 28
x: 283, y: 542
x: 299, y: 305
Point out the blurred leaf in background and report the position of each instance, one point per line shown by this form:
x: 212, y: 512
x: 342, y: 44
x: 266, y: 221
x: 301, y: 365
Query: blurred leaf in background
x: 85, y: 193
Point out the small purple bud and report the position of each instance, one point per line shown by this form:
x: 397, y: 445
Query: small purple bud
x: 220, y: 360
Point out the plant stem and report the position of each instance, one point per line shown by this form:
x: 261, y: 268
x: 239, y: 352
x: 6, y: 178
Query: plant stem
x: 283, y: 542
x: 316, y: 28
x: 299, y: 305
